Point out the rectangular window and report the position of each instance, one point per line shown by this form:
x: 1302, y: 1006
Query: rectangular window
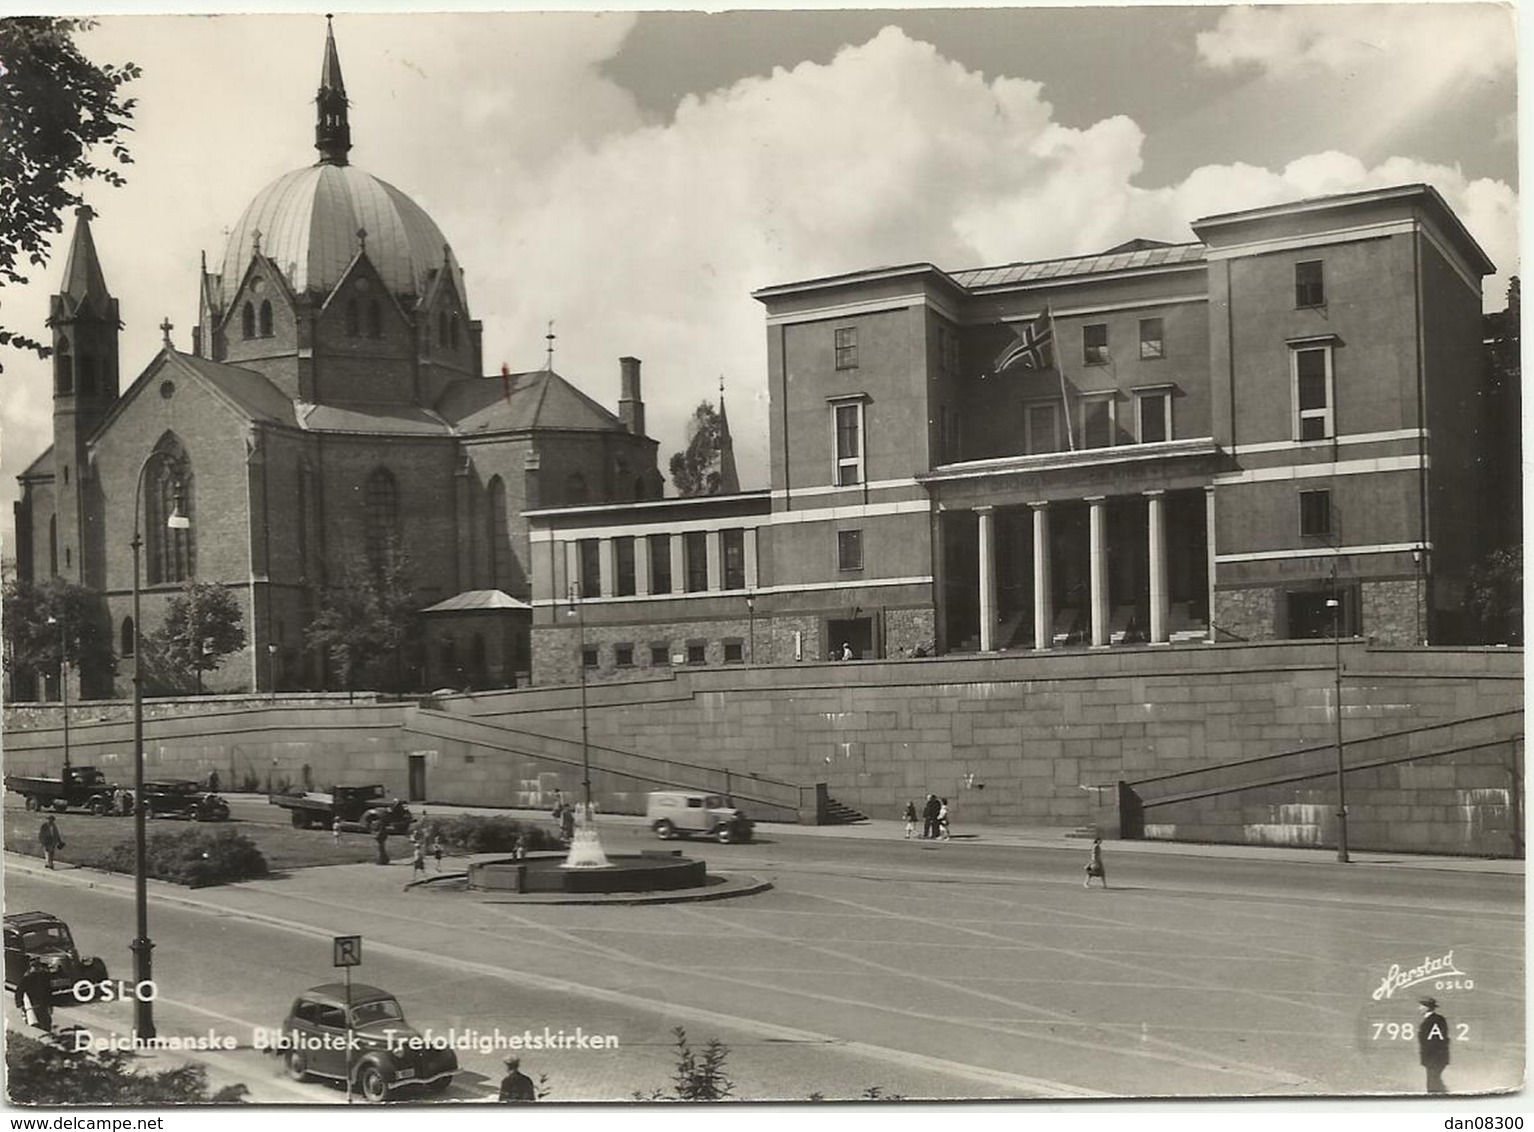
x: 623, y: 656
x: 1153, y: 415
x: 660, y: 655
x: 1041, y: 425
x: 1094, y: 344
x: 1151, y: 342
x: 948, y: 351
x: 1097, y: 422
x: 697, y: 652
x: 848, y: 420
x: 849, y: 550
x: 1315, y: 513
x: 623, y: 566
x: 660, y: 563
x: 732, y: 552
x: 1308, y: 288
x: 588, y: 656
x: 591, y: 567
x: 847, y: 348
x: 734, y: 652
x: 1312, y: 372
x: 695, y: 560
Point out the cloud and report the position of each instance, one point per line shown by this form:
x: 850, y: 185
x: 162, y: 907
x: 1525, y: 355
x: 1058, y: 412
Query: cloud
x: 643, y: 237
x: 1433, y: 42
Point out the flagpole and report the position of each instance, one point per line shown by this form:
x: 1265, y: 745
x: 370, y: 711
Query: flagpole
x: 1065, y: 403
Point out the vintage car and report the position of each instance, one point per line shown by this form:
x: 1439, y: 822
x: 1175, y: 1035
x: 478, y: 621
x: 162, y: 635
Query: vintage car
x: 29, y: 934
x: 182, y: 798
x: 387, y: 1054
x: 682, y: 813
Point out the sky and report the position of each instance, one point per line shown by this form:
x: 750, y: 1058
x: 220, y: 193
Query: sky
x: 633, y: 177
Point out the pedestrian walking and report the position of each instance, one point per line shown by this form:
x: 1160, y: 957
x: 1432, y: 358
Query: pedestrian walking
x: 567, y: 824
x: 382, y: 837
x: 910, y: 818
x: 436, y: 849
x: 929, y: 813
x: 516, y: 1086
x: 34, y: 994
x: 518, y: 848
x: 942, y: 818
x: 335, y: 829
x: 1095, y: 866
x: 417, y: 858
x: 50, y: 838
x: 213, y: 782
x: 1433, y: 1045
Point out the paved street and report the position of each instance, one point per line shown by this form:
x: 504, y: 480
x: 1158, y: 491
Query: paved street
x: 962, y: 969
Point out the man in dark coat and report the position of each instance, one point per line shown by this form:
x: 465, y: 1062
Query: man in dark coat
x: 929, y: 814
x: 1433, y: 1045
x: 34, y: 994
x: 516, y: 1086
x: 50, y: 838
x: 382, y: 837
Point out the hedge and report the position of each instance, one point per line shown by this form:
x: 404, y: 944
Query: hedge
x: 194, y: 857
x: 474, y: 833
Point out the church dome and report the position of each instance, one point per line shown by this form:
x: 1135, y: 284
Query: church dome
x: 308, y: 221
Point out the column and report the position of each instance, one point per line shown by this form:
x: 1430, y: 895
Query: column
x: 1209, y: 554
x: 749, y: 539
x: 678, y: 566
x: 987, y: 517
x: 1043, y: 604
x: 606, y: 568
x: 642, y: 564
x: 1098, y: 536
x: 1155, y: 502
x: 714, y: 559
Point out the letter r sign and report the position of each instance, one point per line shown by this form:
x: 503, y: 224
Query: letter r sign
x: 348, y: 951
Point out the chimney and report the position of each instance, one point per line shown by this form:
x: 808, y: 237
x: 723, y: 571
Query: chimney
x: 630, y: 400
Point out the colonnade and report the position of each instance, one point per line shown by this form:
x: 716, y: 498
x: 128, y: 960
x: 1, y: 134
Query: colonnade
x: 644, y: 583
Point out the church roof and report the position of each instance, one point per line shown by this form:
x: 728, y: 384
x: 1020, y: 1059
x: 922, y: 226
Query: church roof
x: 392, y: 419
x: 250, y: 391
x: 85, y: 287
x: 541, y: 399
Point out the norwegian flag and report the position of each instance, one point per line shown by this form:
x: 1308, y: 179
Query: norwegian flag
x: 1031, y: 348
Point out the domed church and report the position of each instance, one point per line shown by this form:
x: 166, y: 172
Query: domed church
x: 331, y: 415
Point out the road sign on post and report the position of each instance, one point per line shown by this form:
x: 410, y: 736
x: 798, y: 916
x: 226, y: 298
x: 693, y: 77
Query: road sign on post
x: 347, y: 951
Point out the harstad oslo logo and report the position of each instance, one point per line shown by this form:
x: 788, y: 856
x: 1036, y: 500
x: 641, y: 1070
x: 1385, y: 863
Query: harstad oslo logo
x: 1430, y: 969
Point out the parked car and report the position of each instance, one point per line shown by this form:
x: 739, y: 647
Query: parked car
x: 359, y: 808
x: 182, y: 798
x: 81, y: 788
x: 29, y: 934
x: 389, y: 1054
x: 681, y: 813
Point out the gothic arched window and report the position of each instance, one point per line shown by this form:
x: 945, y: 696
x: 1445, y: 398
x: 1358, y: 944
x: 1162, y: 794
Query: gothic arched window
x: 53, y: 544
x: 452, y: 332
x: 575, y: 488
x: 168, y: 490
x: 63, y: 369
x: 375, y: 319
x: 126, y: 649
x: 247, y: 321
x: 352, y: 314
x: 381, y: 500
x: 495, y: 530
x: 266, y: 318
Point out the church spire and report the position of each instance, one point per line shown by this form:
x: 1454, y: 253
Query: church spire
x: 332, y: 131
x: 729, y: 478
x: 84, y: 283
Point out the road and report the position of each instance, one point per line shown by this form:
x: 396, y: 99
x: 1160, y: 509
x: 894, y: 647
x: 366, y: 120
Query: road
x: 962, y: 969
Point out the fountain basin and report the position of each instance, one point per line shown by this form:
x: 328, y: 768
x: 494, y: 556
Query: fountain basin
x: 643, y: 872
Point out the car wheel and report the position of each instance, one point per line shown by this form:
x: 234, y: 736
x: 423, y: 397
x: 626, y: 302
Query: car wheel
x: 372, y: 1084
x: 98, y: 807
x: 60, y: 806
x: 725, y: 835
x: 298, y: 1064
x: 96, y: 970
x: 371, y: 823
x: 665, y: 830
x: 29, y: 801
x: 299, y: 820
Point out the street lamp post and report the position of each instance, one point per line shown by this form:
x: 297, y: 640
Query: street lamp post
x: 143, y: 1007
x: 63, y: 686
x: 586, y: 846
x: 1334, y: 603
x: 751, y: 623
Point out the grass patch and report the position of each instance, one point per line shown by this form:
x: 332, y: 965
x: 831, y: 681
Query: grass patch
x: 195, y: 857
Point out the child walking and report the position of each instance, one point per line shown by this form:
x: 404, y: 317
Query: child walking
x: 1095, y: 866
x: 910, y: 819
x: 436, y: 849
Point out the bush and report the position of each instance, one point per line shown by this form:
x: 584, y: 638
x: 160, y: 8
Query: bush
x: 474, y: 833
x: 193, y: 857
x: 52, y: 1073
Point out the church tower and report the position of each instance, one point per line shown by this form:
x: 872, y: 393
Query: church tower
x: 83, y: 318
x: 332, y: 130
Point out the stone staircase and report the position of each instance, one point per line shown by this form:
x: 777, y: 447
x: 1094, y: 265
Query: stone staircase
x: 838, y: 814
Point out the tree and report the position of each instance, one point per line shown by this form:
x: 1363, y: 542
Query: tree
x: 53, y: 1073
x: 56, y: 106
x: 1495, y: 595
x: 367, y: 618
x: 203, y: 625
x: 55, y: 619
x: 695, y: 471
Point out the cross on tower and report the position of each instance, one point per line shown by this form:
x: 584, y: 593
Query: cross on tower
x: 362, y: 239
x: 165, y: 328
x: 550, y: 337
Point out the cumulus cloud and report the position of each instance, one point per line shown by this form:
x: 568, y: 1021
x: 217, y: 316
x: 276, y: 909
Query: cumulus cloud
x: 1435, y: 42
x: 642, y: 237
